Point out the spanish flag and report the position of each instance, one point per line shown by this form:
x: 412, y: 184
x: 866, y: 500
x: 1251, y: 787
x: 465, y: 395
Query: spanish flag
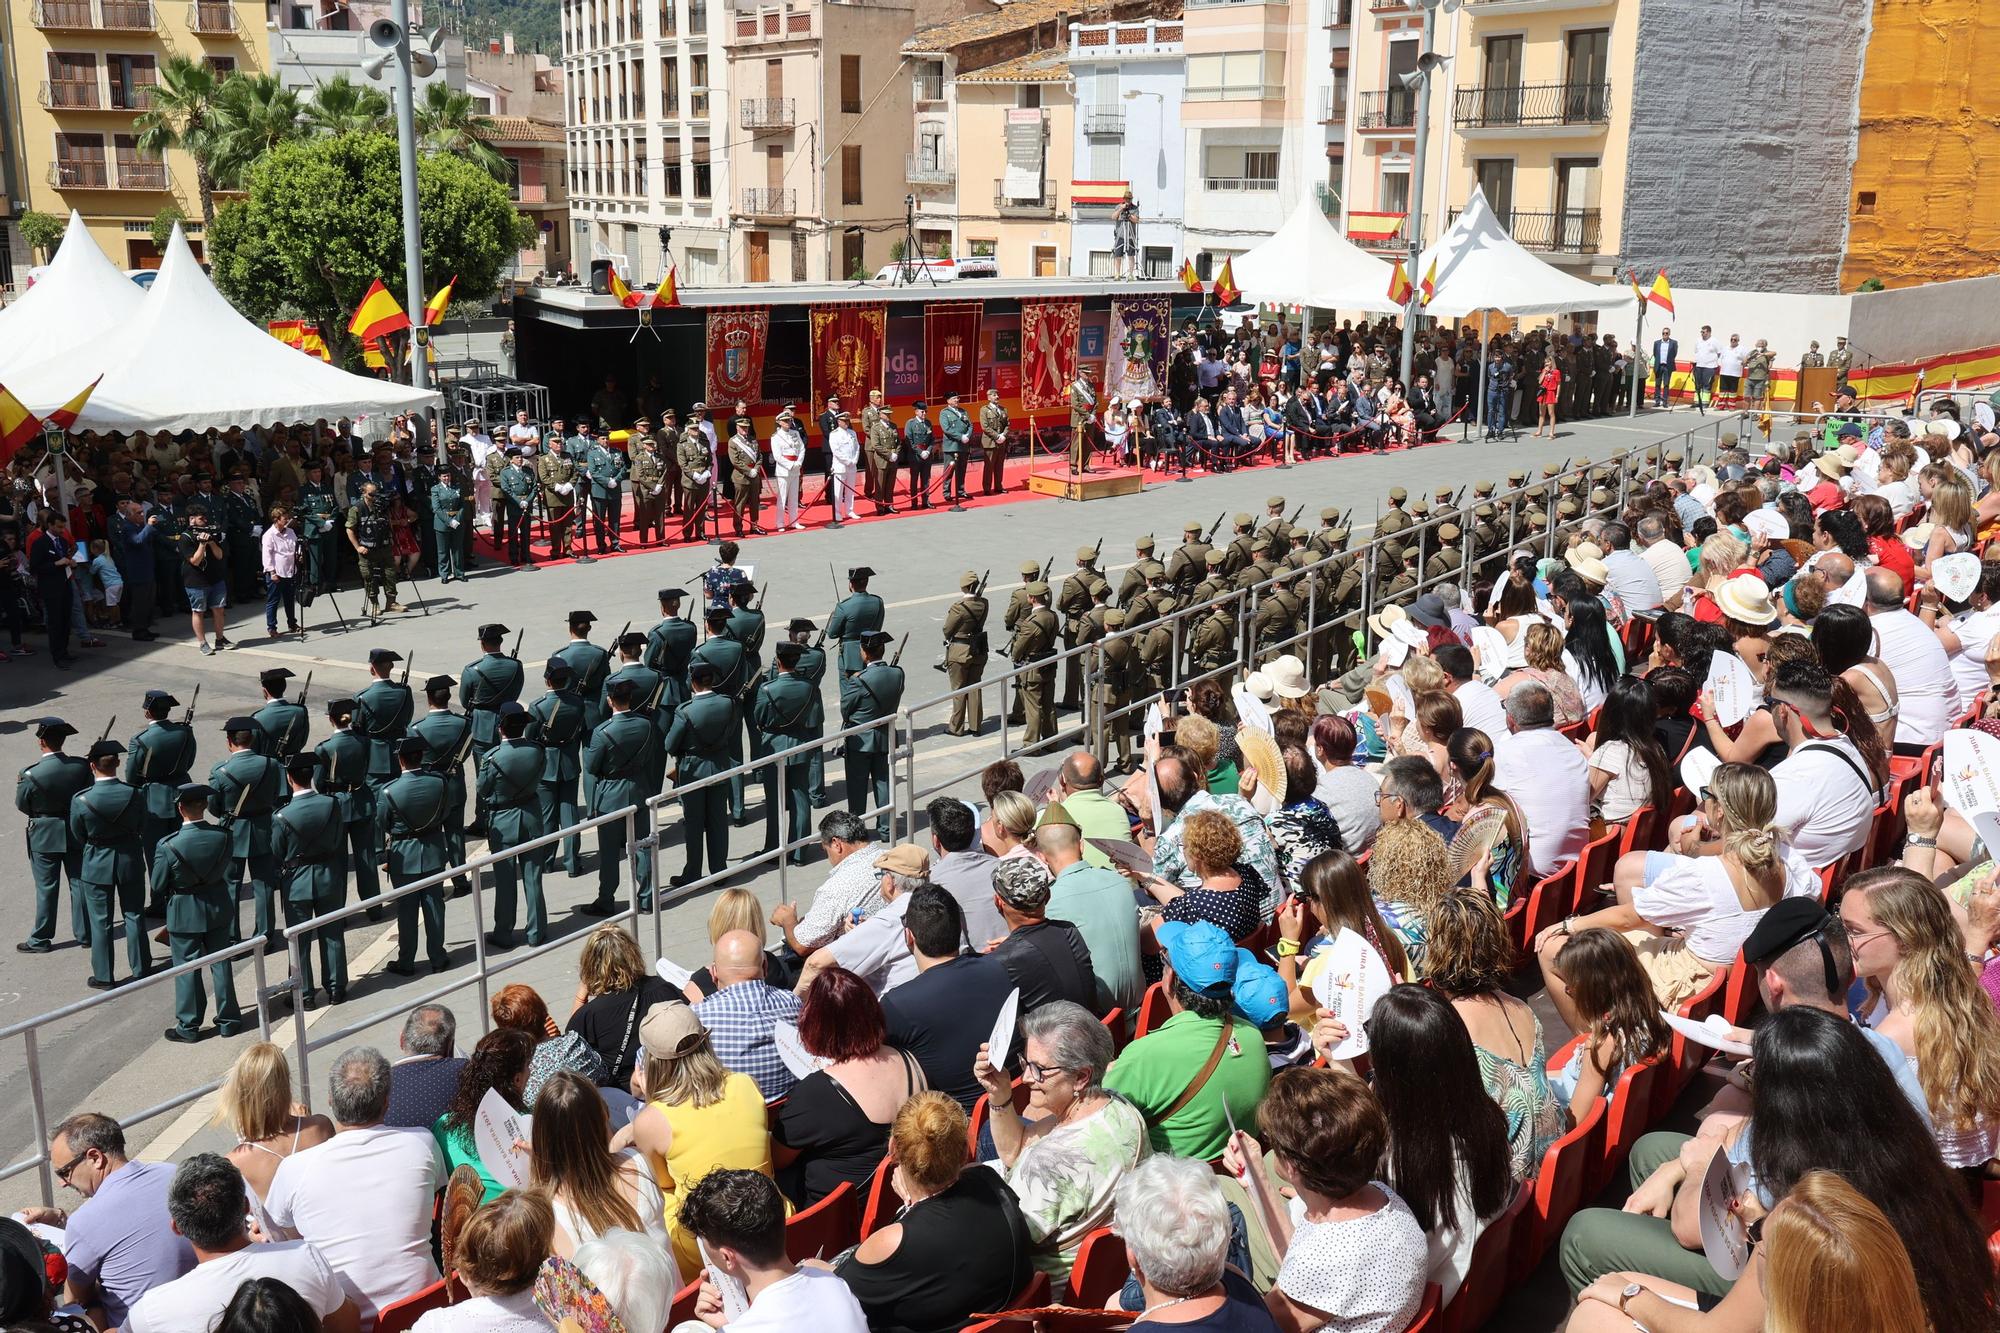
x: 1662, y: 295
x: 378, y: 314
x: 1429, y: 287
x: 1226, y: 291
x: 1189, y: 278
x: 440, y: 301
x: 17, y: 424
x: 1399, y: 284
x: 668, y: 295
x: 372, y: 357
x: 66, y: 415
x: 312, y: 344
x: 619, y: 288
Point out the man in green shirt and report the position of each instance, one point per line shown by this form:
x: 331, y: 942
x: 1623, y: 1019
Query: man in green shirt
x: 1205, y: 1057
x: 1098, y: 903
x: 1080, y: 788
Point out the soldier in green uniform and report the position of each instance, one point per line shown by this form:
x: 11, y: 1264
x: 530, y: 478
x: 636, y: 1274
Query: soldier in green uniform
x: 556, y: 475
x: 1117, y: 674
x: 1239, y: 552
x: 1277, y: 619
x: 510, y: 787
x: 1396, y: 520
x: 648, y: 696
x: 413, y: 818
x: 618, y: 759
x: 882, y: 446
x: 859, y: 613
x: 1189, y: 562
x: 556, y: 723
x: 746, y: 626
x: 489, y: 680
x: 1216, y: 583
x: 965, y: 654
x: 1018, y: 606
x: 448, y: 515
x: 1404, y: 580
x: 1082, y: 410
x: 319, y: 523
x: 1133, y: 584
x: 281, y: 723
x: 342, y: 762
x: 1033, y: 645
x: 649, y: 484
x: 309, y: 842
x: 697, y: 470
x: 382, y: 714
x: 191, y: 873
x: 670, y: 645
x: 447, y: 738
x: 240, y: 519
x: 159, y: 761
x: 1073, y: 603
x: 43, y: 793
x: 955, y: 426
x: 702, y: 742
x: 248, y: 788
x: 1156, y: 644
x: 869, y: 695
x: 591, y: 665
x: 993, y: 440
x: 786, y: 712
x: 513, y: 502
x: 107, y: 820
x: 1213, y: 644
x: 724, y: 655
x: 368, y: 532
x: 1261, y: 566
x: 605, y: 466
x: 1449, y: 558
x: 576, y: 448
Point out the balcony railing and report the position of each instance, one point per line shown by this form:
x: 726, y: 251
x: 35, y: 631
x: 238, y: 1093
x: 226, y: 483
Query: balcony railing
x: 211, y: 20
x: 1389, y: 6
x: 929, y: 169
x: 126, y: 15
x: 1332, y: 106
x: 1239, y: 184
x: 1532, y: 105
x: 528, y: 194
x: 139, y: 174
x: 80, y: 175
x: 1041, y: 206
x: 766, y: 113
x: 1107, y: 120
x: 769, y: 203
x: 698, y: 105
x: 64, y: 14
x: 70, y: 95
x: 1570, y: 231
x: 1329, y: 200
x: 1396, y: 241
x: 1391, y: 109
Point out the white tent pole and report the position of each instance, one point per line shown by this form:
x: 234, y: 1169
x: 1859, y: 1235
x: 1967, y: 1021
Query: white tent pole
x: 1638, y: 341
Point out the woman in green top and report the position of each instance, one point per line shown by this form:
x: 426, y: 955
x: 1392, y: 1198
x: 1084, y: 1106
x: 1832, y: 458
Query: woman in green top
x: 499, y: 1062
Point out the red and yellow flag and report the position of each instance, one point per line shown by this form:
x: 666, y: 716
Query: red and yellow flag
x: 668, y: 295
x: 619, y: 287
x: 1399, y: 284
x: 378, y: 314
x: 66, y: 415
x: 1429, y: 287
x: 372, y: 356
x: 17, y: 424
x: 1662, y: 294
x: 1226, y: 291
x: 1189, y: 278
x: 312, y: 344
x: 285, y: 331
x: 440, y: 300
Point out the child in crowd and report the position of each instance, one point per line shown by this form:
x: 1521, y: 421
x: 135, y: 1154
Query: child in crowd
x: 106, y: 587
x: 1612, y: 990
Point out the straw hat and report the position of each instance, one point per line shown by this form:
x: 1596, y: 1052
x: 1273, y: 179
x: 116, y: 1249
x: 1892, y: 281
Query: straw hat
x: 1590, y: 569
x: 1837, y: 462
x: 1384, y: 622
x: 1288, y: 677
x: 1747, y: 598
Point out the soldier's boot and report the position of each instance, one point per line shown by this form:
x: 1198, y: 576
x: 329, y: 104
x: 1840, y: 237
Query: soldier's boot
x: 397, y: 606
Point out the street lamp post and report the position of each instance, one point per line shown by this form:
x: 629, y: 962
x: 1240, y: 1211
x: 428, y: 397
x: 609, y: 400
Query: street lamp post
x: 1418, y: 81
x: 391, y: 39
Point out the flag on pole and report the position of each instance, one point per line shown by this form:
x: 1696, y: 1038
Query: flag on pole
x: 1638, y: 292
x: 668, y: 294
x: 1226, y: 292
x: 378, y: 314
x: 17, y: 424
x: 618, y: 286
x: 66, y: 415
x: 435, y: 307
x: 312, y: 344
x: 1399, y: 284
x: 1189, y: 278
x: 1430, y: 283
x: 372, y: 356
x: 1662, y: 294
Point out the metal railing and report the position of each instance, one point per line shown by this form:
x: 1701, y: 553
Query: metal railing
x: 1320, y: 640
x: 764, y: 202
x: 127, y: 15
x: 80, y: 174
x: 1389, y: 109
x: 1240, y: 184
x: 1531, y: 105
x: 766, y: 113
x: 1041, y: 206
x: 1104, y: 120
x: 1332, y: 108
x: 1564, y: 231
x: 929, y: 169
x: 70, y: 95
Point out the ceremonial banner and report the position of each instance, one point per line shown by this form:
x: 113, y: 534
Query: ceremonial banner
x: 951, y: 349
x: 847, y: 344
x: 1139, y: 329
x: 736, y: 339
x: 1049, y: 333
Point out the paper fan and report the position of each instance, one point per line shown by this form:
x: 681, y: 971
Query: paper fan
x: 1472, y: 843
x: 1261, y: 752
x: 570, y: 1300
x: 461, y: 1200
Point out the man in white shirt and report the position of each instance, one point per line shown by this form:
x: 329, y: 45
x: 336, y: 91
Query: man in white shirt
x: 843, y: 450
x: 1665, y: 558
x: 1546, y: 775
x: 1926, y: 688
x: 877, y: 949
x: 365, y: 1197
x: 739, y: 1218
x: 1826, y: 796
x: 1478, y: 704
x: 524, y: 434
x: 1730, y: 363
x: 1707, y: 360
x: 207, y: 1204
x: 788, y: 457
x: 1629, y: 576
x: 480, y: 444
x: 849, y: 891
x: 1965, y: 636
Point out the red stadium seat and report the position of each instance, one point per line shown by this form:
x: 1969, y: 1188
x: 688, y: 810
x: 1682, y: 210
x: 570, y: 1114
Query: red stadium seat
x: 1685, y: 1058
x: 1740, y: 999
x: 1486, y: 1277
x: 1558, y: 1189
x: 401, y: 1316
x: 1031, y: 1297
x: 1644, y: 831
x: 1114, y: 1023
x: 1427, y: 1314
x: 826, y: 1228
x: 1548, y: 904
x: 977, y: 1120
x: 882, y: 1204
x: 1631, y: 1114
x: 1153, y: 1009
x: 1638, y: 641
x: 1101, y: 1269
x: 683, y: 1307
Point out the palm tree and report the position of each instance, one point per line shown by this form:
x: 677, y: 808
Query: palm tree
x: 446, y: 123
x: 255, y: 114
x: 182, y: 114
x: 340, y: 106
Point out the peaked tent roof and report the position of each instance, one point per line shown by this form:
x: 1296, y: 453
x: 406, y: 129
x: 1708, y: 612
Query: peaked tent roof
x: 1308, y: 262
x: 188, y: 361
x: 1481, y: 267
x: 81, y: 297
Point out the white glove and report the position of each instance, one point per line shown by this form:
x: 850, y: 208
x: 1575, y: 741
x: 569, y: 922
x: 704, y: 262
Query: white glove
x: 454, y: 524
x: 564, y: 489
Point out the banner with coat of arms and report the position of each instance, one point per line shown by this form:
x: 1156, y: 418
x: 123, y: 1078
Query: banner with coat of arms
x: 1140, y: 327
x: 951, y: 349
x: 1050, y: 331
x: 736, y: 341
x: 847, y: 347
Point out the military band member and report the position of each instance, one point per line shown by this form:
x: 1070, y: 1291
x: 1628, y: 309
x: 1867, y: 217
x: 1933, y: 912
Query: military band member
x: 281, y: 723
x: 557, y: 475
x: 605, y: 466
x: 995, y: 434
x: 965, y: 654
x: 248, y: 788
x: 190, y: 873
x: 1034, y: 645
x: 448, y: 740
x: 342, y: 761
x: 703, y: 743
x: 309, y: 843
x: 556, y: 723
x: 786, y: 712
x: 107, y: 820
x: 859, y: 613
x: 510, y: 787
x: 869, y: 695
x: 412, y: 810
x: 449, y: 513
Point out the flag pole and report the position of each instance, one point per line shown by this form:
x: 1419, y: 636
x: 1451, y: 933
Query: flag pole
x: 1638, y: 343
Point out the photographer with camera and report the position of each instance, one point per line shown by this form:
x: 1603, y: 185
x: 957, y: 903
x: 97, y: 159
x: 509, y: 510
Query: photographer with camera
x: 205, y: 574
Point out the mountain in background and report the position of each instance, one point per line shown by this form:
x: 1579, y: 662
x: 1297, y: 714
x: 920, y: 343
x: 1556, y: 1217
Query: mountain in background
x: 536, y: 24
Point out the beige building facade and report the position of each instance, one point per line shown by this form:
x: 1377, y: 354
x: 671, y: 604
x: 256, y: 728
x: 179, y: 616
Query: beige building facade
x: 1251, y: 147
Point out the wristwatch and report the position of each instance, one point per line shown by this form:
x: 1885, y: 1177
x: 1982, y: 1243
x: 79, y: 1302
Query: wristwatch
x: 1631, y: 1289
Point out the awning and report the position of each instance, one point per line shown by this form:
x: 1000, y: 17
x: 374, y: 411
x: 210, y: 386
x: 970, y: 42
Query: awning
x: 1374, y: 226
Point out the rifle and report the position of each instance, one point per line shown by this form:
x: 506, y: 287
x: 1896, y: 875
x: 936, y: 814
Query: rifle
x: 187, y: 718
x: 621, y: 634
x: 1047, y: 565
x: 1344, y: 518
x: 820, y: 638
x: 1457, y: 498
x: 406, y: 670
x: 518, y: 636
x: 1208, y: 538
x: 1099, y: 551
x: 108, y: 726
x: 758, y: 605
x: 980, y: 591
x: 1293, y: 520
x: 836, y: 582
x: 305, y: 689
x: 899, y: 649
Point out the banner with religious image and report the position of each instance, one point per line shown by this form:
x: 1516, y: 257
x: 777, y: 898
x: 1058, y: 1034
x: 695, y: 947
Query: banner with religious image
x: 1049, y: 334
x: 1133, y: 362
x: 736, y: 342
x: 951, y: 349
x: 847, y: 345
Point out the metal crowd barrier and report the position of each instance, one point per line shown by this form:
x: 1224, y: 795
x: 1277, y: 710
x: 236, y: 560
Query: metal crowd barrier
x: 908, y: 791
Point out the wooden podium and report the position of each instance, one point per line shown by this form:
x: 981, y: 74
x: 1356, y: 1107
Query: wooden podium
x: 1816, y: 384
x: 1097, y: 484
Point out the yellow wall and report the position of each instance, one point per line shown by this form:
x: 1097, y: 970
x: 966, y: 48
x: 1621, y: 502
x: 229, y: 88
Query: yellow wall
x: 1930, y: 112
x: 981, y: 138
x: 106, y: 211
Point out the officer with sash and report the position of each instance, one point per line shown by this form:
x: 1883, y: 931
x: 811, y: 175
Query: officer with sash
x: 447, y: 738
x: 619, y: 758
x: 43, y: 793
x: 191, y: 873
x: 859, y: 613
x: 510, y: 787
x: 786, y: 712
x: 556, y: 723
x: 869, y: 695
x: 248, y: 787
x: 160, y: 760
x: 413, y: 817
x: 108, y: 819
x: 309, y: 842
x: 703, y: 742
x: 281, y: 723
x: 492, y: 679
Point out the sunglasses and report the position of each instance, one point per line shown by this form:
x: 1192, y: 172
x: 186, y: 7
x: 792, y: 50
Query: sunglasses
x: 63, y: 1172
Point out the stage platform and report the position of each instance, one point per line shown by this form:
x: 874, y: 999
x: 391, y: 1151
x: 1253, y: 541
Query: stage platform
x: 1097, y: 484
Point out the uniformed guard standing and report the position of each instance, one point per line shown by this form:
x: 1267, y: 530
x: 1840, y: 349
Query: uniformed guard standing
x: 281, y: 723
x: 1156, y: 645
x: 618, y: 758
x: 786, y: 712
x: 319, y: 522
x: 1033, y: 645
x: 697, y: 470
x: 670, y: 643
x: 382, y: 715
x: 1188, y: 565
x: 448, y: 515
x: 489, y: 680
x: 557, y: 725
x: 648, y: 689
x: 342, y: 762
x: 412, y: 812
x: 811, y: 668
x: 1277, y: 619
x: 746, y: 626
x: 965, y: 654
x: 557, y: 475
x: 248, y: 787
x: 724, y: 655
x: 512, y: 504
x: 191, y: 873
x: 994, y: 436
x: 1237, y: 556
x: 879, y: 439
x: 746, y: 479
x: 955, y: 428
x: 869, y: 695
x: 309, y: 842
x: 859, y: 613
x: 606, y: 468
x: 702, y: 742
x: 447, y: 738
x: 368, y: 532
x: 1448, y: 558
x: 1117, y: 672
x: 1082, y: 411
x: 43, y: 793
x: 510, y: 788
x: 108, y: 820
x: 591, y: 665
x: 1073, y: 602
x: 576, y: 448
x: 649, y: 485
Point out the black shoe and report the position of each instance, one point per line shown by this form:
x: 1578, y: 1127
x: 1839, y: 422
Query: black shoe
x: 183, y: 1036
x: 797, y: 858
x: 403, y: 969
x: 495, y: 940
x: 377, y: 915
x: 598, y: 908
x: 95, y: 984
x: 34, y: 946
x: 440, y: 965
x: 682, y: 880
x: 144, y: 635
x: 336, y: 997
x: 310, y: 999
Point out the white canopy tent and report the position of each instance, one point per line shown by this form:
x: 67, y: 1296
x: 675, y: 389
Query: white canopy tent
x: 80, y: 298
x: 1308, y: 262
x: 1480, y: 267
x: 188, y: 361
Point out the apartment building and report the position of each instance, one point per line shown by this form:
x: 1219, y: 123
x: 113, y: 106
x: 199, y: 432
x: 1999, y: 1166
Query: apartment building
x: 1248, y: 138
x: 989, y: 174
x: 647, y: 117
x: 312, y: 41
x: 81, y: 72
x: 15, y: 256
x: 523, y: 92
x: 1130, y: 80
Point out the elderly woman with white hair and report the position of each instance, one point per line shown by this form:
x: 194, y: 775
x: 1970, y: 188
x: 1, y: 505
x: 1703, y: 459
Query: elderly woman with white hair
x: 1065, y: 1164
x: 1176, y: 1227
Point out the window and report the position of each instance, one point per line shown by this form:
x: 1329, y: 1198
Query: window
x: 986, y: 249
x: 930, y: 147
x: 1261, y: 167
x: 798, y: 257
x: 850, y: 85
x: 701, y: 266
x: 1237, y: 167
x: 1396, y: 190
x: 1045, y: 261
x: 930, y: 80
x: 224, y: 66
x: 1101, y: 265
x: 1496, y: 181
x: 703, y: 173
x: 670, y: 89
x: 1106, y: 159
x: 1236, y: 76
x: 1030, y: 95
x: 698, y: 87
x: 132, y: 78
x: 72, y: 80
x: 1157, y: 261
x: 1864, y: 202
x: 672, y: 161
x: 850, y: 173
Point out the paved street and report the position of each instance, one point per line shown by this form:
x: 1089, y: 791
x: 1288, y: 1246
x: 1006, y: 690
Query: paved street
x: 114, y: 1059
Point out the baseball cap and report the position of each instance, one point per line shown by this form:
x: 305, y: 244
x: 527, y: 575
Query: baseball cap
x: 1022, y: 883
x: 905, y: 859
x: 670, y: 1031
x: 1259, y: 993
x: 1201, y: 954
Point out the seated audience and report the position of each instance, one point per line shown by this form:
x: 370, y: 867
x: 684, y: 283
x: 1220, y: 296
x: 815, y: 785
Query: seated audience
x: 1926, y: 689
x: 1080, y: 791
x: 1176, y: 1224
x: 519, y: 1007
x: 615, y: 991
x: 1628, y: 769
x: 1302, y: 827
x: 1047, y: 959
x: 266, y: 1305
x: 427, y: 1075
x: 873, y: 948
x: 834, y: 1126
x: 1344, y: 788
x: 1222, y: 893
x: 733, y: 910
x: 255, y: 1103
x: 1409, y: 872
x: 1831, y: 1258
x: 964, y: 869
x: 591, y: 1189
x: 1489, y: 823
x: 739, y: 1217
x: 1098, y: 902
x: 1830, y: 784
x: 1547, y: 778
x: 849, y: 886
x: 1543, y: 651
x: 1181, y: 798
x: 743, y: 1009
x: 943, y: 1016
x: 1845, y: 637
x: 1336, y: 887
x: 499, y: 1064
x: 633, y: 1274
x: 1012, y: 826
x: 1611, y: 991
x: 499, y: 1255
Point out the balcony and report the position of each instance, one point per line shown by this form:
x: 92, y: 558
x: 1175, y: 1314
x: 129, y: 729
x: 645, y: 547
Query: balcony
x: 1098, y: 40
x: 1390, y: 6
x: 1573, y: 107
x: 528, y: 194
x: 70, y: 95
x: 1041, y: 206
x: 1496, y: 8
x: 208, y: 19
x: 131, y: 97
x: 1332, y: 106
x: 1240, y: 184
x: 766, y: 113
x: 1106, y: 121
x: 85, y: 174
x: 1392, y: 110
x: 138, y: 174
x: 929, y: 169
x: 769, y: 203
x: 1329, y: 201
x: 1569, y: 231
x: 126, y: 15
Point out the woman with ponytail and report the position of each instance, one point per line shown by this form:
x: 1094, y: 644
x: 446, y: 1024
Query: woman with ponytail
x: 1709, y: 903
x: 1489, y: 823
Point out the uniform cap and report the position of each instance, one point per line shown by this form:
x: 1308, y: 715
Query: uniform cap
x: 156, y: 697
x: 1516, y: 477
x: 671, y: 594
x: 1338, y: 534
x: 905, y: 858
x: 1274, y: 502
x: 99, y: 749
x: 240, y: 723
x: 968, y: 581
x: 1037, y: 589
x: 1420, y: 506
x: 1566, y: 507
x: 1398, y: 494
x: 580, y: 618
x: 1261, y: 542
x: 438, y: 683
x: 1144, y: 543
x: 1483, y: 511
x: 1114, y: 618
x: 1193, y: 528
x: 1086, y: 553
x: 194, y: 791
x: 1448, y: 533
x: 557, y: 673
x: 789, y: 653
x: 494, y: 631
x: 876, y: 639
x: 511, y: 708
x: 1482, y: 488
x: 1241, y: 520
x: 799, y: 625
x: 334, y: 707
x: 632, y: 642
x: 1538, y: 519
x: 861, y: 572
x: 1215, y: 558
x: 378, y: 656
x: 1029, y: 569
x: 1331, y: 514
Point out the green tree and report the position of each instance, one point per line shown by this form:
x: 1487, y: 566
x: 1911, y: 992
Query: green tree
x: 341, y: 106
x: 182, y: 114
x: 322, y: 218
x: 163, y: 225
x: 447, y: 123
x: 43, y: 232
x: 254, y: 114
